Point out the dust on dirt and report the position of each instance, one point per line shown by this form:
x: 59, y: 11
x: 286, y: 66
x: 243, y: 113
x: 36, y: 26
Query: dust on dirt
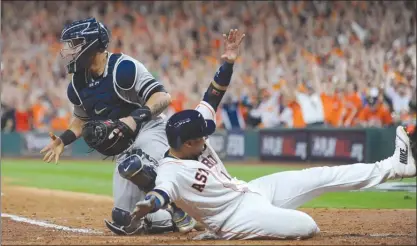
x: 75, y: 210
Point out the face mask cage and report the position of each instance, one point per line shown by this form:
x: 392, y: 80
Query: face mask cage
x: 72, y: 49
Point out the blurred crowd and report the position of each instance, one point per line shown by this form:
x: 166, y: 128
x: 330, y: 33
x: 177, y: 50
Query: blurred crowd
x: 330, y: 63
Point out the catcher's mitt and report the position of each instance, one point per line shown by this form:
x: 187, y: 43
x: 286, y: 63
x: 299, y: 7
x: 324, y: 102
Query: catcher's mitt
x: 109, y: 137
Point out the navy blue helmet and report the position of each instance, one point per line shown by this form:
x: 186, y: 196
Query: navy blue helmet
x: 187, y: 125
x: 82, y: 39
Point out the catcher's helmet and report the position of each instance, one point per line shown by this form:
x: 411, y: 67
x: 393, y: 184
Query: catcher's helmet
x: 82, y: 39
x: 186, y: 125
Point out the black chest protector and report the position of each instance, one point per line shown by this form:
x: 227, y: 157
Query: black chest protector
x: 100, y: 98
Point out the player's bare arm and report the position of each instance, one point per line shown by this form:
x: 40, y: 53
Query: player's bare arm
x: 158, y: 102
x: 155, y: 105
x: 55, y: 148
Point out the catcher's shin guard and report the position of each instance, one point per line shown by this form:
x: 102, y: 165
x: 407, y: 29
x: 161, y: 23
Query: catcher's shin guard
x: 121, y: 225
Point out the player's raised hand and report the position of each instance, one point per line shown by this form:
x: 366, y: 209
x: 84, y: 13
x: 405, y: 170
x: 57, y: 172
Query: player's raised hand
x: 231, y: 45
x: 53, y: 150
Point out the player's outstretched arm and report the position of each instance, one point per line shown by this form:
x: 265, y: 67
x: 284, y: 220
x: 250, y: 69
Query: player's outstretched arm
x: 153, y: 201
x: 55, y: 148
x: 221, y: 81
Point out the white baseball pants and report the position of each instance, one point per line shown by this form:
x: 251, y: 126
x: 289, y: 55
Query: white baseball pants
x: 269, y: 211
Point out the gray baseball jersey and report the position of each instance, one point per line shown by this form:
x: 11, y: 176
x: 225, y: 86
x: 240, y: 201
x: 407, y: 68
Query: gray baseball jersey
x: 125, y: 85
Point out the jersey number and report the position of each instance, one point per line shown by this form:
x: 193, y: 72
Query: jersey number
x: 201, y: 177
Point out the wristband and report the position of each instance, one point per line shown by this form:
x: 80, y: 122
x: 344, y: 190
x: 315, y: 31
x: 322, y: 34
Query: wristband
x: 161, y: 199
x: 68, y: 137
x: 224, y: 74
x: 141, y: 115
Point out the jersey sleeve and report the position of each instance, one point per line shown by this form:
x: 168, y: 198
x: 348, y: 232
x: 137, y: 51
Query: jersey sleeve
x: 80, y: 113
x: 206, y: 110
x: 166, y: 180
x: 132, y: 78
x: 176, y: 178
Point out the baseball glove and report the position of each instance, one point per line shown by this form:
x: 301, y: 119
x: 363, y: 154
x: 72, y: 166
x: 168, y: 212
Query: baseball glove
x: 109, y: 137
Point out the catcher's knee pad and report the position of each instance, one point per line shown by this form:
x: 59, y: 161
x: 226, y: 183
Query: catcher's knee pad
x: 142, y: 175
x: 121, y: 217
x: 155, y: 223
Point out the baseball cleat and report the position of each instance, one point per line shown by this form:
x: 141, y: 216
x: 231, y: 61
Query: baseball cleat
x: 404, y: 162
x: 183, y: 222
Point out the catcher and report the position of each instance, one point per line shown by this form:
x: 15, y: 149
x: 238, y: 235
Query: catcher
x: 117, y: 109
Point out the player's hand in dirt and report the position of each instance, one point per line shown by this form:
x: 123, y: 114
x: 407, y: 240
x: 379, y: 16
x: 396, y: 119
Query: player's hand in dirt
x: 231, y: 45
x: 143, y: 208
x: 53, y: 150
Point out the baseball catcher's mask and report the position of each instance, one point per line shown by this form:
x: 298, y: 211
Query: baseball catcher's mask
x: 109, y: 137
x: 82, y: 39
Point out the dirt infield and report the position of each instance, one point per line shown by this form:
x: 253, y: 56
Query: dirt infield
x: 74, y: 211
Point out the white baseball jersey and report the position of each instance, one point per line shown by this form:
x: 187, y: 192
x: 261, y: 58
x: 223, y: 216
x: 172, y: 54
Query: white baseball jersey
x: 264, y: 208
x: 203, y: 188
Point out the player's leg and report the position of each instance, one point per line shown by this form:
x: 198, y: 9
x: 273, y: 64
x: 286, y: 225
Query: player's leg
x: 294, y: 188
x: 134, y: 174
x: 257, y: 218
x: 127, y: 193
x: 151, y: 145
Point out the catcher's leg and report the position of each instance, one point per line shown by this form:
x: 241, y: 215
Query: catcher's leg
x: 294, y: 188
x: 126, y: 193
x: 153, y: 141
x: 257, y: 218
x: 138, y: 169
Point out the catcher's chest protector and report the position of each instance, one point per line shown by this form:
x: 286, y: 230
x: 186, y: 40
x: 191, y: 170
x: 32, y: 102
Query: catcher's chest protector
x: 99, y: 97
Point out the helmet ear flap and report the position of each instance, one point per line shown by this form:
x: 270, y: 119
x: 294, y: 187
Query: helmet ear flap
x: 99, y: 36
x: 102, y: 34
